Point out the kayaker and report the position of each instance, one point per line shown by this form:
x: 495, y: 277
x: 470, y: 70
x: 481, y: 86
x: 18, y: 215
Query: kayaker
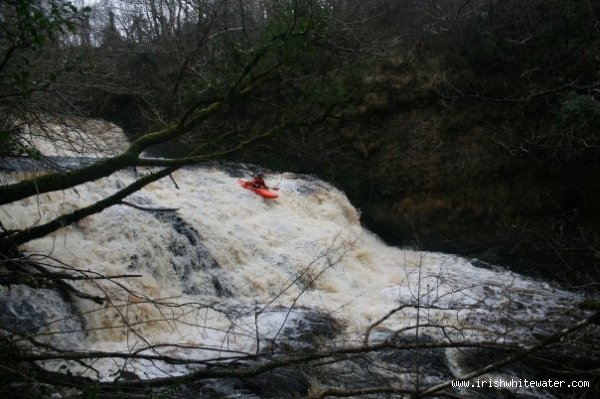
x: 259, y: 182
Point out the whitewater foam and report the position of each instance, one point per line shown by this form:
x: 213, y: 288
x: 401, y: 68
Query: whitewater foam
x: 229, y: 273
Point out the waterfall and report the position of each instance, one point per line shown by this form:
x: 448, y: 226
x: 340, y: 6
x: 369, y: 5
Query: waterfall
x: 201, y: 268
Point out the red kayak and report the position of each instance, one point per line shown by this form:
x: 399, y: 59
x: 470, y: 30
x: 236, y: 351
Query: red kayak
x: 263, y: 192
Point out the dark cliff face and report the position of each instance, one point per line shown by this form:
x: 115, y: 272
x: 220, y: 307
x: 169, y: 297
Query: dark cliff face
x: 464, y: 192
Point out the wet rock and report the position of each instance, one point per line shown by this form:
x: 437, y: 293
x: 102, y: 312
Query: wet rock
x: 431, y: 362
x: 20, y: 316
x: 313, y: 328
x: 27, y: 310
x: 281, y: 383
x: 305, y: 329
x: 196, y: 269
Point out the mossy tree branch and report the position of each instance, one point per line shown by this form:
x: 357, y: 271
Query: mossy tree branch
x: 66, y: 220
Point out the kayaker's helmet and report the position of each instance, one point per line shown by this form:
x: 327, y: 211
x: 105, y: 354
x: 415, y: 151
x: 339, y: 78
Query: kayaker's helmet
x: 260, y: 175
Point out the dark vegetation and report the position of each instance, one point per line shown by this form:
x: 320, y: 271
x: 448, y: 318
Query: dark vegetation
x: 464, y: 126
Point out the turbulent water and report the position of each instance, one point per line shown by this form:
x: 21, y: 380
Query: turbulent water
x: 73, y: 137
x: 204, y: 269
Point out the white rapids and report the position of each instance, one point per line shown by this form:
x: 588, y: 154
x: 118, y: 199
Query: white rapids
x: 73, y: 137
x: 224, y: 273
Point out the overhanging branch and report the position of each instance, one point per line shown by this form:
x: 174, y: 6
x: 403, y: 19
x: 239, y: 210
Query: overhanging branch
x: 66, y: 220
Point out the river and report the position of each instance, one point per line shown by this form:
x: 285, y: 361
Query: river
x: 206, y: 271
